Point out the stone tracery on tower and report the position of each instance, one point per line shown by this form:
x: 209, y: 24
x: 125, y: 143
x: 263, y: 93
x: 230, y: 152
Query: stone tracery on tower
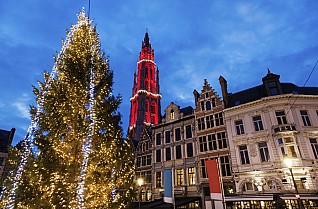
x: 145, y: 100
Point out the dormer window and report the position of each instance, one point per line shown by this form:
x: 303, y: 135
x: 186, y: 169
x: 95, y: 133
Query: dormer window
x: 172, y: 114
x: 273, y: 88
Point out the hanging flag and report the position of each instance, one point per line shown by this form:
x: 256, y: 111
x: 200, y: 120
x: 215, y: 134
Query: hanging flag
x: 214, y: 179
x: 167, y: 186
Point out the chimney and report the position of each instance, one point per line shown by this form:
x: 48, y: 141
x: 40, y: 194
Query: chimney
x: 223, y: 84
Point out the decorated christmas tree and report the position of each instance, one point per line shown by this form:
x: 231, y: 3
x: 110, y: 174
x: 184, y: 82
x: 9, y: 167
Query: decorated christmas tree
x: 82, y: 159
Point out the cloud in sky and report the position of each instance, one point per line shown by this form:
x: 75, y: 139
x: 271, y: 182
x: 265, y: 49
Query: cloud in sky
x: 193, y: 41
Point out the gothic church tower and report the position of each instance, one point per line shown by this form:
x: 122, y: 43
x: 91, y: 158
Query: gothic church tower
x: 145, y: 100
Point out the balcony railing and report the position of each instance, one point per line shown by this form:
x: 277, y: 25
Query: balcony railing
x: 284, y: 128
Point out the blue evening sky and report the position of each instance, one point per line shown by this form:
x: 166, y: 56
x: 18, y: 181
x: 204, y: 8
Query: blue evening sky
x: 193, y: 40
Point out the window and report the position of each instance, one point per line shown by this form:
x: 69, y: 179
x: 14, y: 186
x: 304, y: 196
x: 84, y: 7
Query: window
x: 314, y: 146
x: 218, y: 119
x: 249, y: 186
x: 239, y: 127
x: 191, y: 176
x: 148, y: 177
x: 202, y: 105
x: 203, y: 169
x: 208, y: 105
x: 143, y: 160
x: 168, y: 153
x: 179, y: 173
x: 209, y: 121
x: 203, y: 144
x: 287, y: 147
x: 258, y: 125
x: 158, y: 179
x: 281, y: 117
x: 149, y: 193
x: 263, y: 151
x: 212, y: 142
x: 225, y: 165
x: 221, y: 140
x: 213, y: 102
x: 172, y: 114
x: 177, y: 134
x: 188, y: 132
x: 158, y: 155
x: 305, y: 117
x: 138, y: 161
x: 201, y: 124
x: 158, y: 139
x: 167, y: 137
x: 189, y: 150
x: 178, y: 152
x: 273, y: 88
x: 148, y: 160
x: 244, y: 154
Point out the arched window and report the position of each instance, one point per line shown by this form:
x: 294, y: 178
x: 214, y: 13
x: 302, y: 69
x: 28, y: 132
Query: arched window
x: 208, y: 105
x: 172, y: 114
x: 143, y: 195
x: 148, y: 194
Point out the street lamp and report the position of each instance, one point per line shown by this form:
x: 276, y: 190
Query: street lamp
x: 140, y: 182
x: 289, y: 164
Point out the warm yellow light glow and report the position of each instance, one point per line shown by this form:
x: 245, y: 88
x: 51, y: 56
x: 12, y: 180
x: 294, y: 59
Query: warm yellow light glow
x: 140, y: 181
x: 288, y: 162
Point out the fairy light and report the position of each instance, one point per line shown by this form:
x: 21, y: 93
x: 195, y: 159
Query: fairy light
x: 27, y: 143
x: 87, y: 143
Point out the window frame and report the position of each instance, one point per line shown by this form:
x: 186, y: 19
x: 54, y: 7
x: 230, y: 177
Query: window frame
x: 191, y: 176
x: 239, y: 126
x: 258, y: 123
x: 167, y: 137
x: 190, y: 129
x: 179, y: 177
x: 166, y: 153
x: 244, y: 156
x: 263, y: 151
x: 281, y: 117
x: 190, y: 145
x: 177, y: 133
x: 158, y: 156
x: 305, y: 117
x: 178, y: 152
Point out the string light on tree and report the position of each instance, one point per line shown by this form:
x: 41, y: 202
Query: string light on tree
x: 83, y: 162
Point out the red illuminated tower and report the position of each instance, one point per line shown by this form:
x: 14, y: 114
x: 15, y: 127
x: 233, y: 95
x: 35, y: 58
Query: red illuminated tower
x: 145, y: 100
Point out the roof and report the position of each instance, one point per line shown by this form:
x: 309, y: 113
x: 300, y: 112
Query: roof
x: 186, y: 110
x: 258, y: 92
x: 6, y: 139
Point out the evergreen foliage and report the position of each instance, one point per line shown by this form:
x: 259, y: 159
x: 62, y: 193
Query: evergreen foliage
x: 51, y: 179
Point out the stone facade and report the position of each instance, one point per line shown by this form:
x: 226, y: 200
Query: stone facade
x: 175, y: 147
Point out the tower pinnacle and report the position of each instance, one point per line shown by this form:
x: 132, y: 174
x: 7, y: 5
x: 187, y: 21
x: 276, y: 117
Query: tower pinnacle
x: 145, y: 100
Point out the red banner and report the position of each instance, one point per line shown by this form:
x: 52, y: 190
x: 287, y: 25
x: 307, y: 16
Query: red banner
x: 214, y: 179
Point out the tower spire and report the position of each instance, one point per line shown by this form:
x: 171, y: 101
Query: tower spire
x: 146, y: 39
x: 145, y: 100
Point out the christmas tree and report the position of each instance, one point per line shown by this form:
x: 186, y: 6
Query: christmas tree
x: 83, y: 160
